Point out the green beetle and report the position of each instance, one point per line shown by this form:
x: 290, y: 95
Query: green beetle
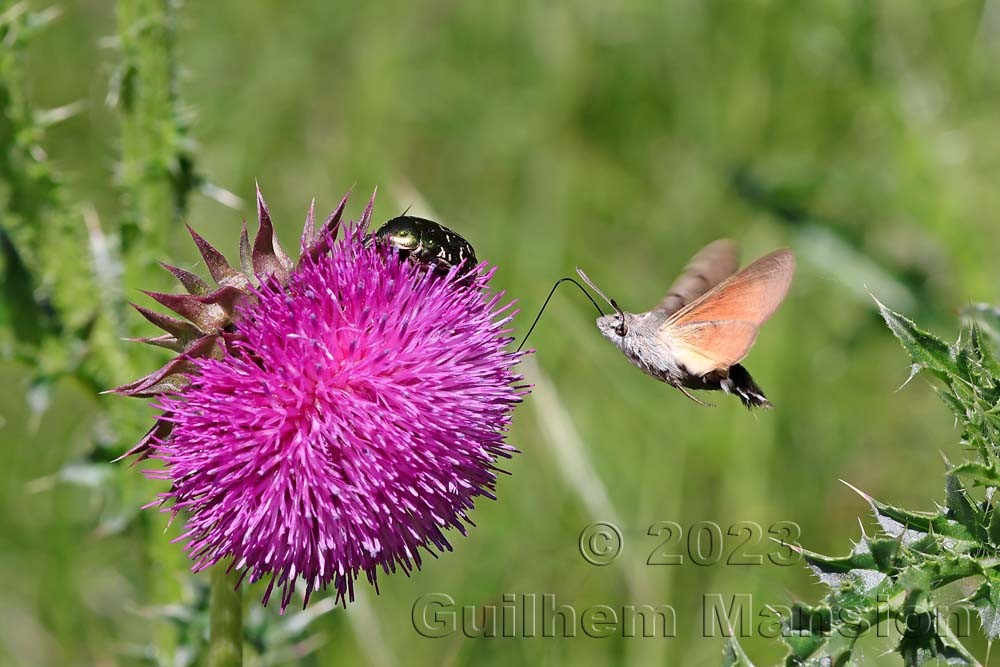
x: 427, y: 242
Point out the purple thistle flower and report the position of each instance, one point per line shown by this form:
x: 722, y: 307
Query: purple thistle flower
x: 352, y: 418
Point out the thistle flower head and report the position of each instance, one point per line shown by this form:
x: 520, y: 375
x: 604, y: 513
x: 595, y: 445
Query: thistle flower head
x: 350, y: 417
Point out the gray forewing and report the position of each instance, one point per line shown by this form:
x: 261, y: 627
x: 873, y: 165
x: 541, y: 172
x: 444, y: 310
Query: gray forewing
x: 713, y: 264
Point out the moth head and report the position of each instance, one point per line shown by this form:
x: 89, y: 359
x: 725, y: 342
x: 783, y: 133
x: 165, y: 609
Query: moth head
x: 615, y: 325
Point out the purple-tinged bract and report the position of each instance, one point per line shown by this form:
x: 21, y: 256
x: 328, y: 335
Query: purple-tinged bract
x: 353, y: 418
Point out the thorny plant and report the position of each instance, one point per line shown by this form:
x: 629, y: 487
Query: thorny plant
x: 907, y: 573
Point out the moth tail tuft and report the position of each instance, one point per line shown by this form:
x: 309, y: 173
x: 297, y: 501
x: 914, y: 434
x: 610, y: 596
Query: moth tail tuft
x: 740, y: 383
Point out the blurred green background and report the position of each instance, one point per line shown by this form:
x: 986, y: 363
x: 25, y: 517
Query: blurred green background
x: 620, y: 139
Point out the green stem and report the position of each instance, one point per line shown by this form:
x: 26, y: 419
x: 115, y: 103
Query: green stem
x: 145, y: 88
x: 225, y: 643
x: 156, y: 168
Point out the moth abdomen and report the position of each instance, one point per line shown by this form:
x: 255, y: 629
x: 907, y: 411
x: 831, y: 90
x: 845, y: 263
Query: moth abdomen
x: 742, y: 385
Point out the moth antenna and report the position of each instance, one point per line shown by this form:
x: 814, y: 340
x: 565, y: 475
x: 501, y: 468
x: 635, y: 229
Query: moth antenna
x: 549, y: 297
x: 597, y: 289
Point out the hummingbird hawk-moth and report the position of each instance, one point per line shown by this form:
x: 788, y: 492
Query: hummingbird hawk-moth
x: 695, y: 337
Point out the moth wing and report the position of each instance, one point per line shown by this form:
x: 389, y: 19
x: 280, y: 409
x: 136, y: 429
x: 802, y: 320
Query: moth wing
x: 716, y: 330
x: 704, y: 347
x: 709, y: 267
x: 752, y: 295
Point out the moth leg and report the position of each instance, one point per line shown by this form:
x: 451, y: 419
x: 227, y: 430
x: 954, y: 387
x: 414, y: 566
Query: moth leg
x: 694, y: 398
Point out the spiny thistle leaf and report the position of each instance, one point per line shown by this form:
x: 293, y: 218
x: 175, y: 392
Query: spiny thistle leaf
x: 961, y: 509
x: 820, y: 636
x: 734, y: 656
x: 921, y: 646
x: 897, y: 575
x: 980, y: 348
x: 904, y: 523
x: 857, y: 568
x: 988, y: 316
x: 925, y: 349
x: 952, y: 401
x: 987, y: 602
x: 993, y: 530
x: 884, y: 552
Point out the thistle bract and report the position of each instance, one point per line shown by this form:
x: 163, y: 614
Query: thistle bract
x: 348, y: 418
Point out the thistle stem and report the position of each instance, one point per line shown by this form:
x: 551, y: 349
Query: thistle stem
x: 157, y: 172
x: 225, y: 643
